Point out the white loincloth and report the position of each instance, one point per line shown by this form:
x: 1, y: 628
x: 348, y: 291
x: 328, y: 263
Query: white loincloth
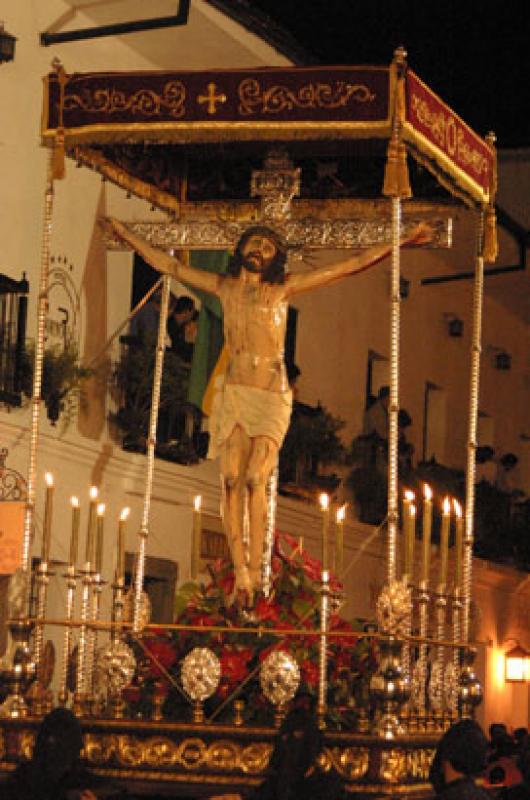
x: 258, y: 411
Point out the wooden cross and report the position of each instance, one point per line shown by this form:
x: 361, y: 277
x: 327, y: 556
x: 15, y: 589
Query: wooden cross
x: 317, y: 224
x: 211, y: 98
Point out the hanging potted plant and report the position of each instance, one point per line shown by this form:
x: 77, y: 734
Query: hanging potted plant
x: 132, y: 383
x: 312, y: 441
x: 62, y: 380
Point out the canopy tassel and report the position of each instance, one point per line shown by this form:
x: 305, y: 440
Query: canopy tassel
x: 396, y: 183
x: 58, y: 163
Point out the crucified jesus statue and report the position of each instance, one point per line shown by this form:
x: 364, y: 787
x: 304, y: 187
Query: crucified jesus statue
x: 254, y: 410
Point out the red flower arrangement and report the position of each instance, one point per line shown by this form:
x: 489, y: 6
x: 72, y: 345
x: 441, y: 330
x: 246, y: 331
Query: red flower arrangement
x: 294, y: 603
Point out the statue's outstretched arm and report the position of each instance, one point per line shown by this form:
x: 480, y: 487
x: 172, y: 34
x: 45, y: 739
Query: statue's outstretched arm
x: 161, y: 261
x: 358, y: 263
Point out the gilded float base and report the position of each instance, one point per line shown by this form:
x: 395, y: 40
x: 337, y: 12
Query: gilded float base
x: 169, y: 756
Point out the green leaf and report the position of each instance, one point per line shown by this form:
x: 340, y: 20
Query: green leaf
x: 183, y: 597
x: 301, y: 607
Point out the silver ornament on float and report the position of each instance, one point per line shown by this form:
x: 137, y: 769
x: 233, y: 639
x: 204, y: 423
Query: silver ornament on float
x: 114, y: 668
x: 279, y: 677
x: 200, y: 673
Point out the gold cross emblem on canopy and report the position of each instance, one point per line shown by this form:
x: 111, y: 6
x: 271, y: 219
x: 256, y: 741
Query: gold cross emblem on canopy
x: 211, y: 98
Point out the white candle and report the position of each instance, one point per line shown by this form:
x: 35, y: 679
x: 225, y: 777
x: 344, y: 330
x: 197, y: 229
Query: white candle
x: 408, y: 500
x: 120, y: 549
x: 99, y: 537
x: 444, y: 542
x: 48, y: 511
x: 411, y: 542
x: 196, y: 538
x: 426, y: 533
x: 74, y: 539
x: 459, y: 543
x: 339, y: 539
x: 324, y: 507
x: 91, y: 527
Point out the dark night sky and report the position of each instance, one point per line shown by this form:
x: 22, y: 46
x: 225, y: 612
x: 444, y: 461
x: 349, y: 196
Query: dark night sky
x: 475, y: 55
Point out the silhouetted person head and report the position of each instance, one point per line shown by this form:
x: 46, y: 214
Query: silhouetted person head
x: 298, y: 745
x: 183, y: 308
x: 464, y: 746
x: 523, y: 762
x: 58, y: 743
x: 496, y: 730
x: 462, y: 751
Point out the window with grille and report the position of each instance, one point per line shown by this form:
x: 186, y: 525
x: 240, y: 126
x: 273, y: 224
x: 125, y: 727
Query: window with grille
x: 13, y: 315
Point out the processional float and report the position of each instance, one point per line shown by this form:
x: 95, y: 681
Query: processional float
x: 160, y: 136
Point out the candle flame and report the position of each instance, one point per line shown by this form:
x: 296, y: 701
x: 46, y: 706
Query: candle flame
x: 447, y: 506
x: 49, y: 479
x: 325, y: 574
x: 412, y: 510
x: 93, y: 492
x: 125, y: 513
x: 101, y: 509
x: 75, y: 502
x: 341, y: 513
x: 197, y: 502
x: 427, y: 491
x: 324, y: 501
x: 409, y: 495
x: 458, y: 508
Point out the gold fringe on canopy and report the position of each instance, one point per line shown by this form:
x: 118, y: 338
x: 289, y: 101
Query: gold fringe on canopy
x: 396, y: 181
x: 89, y: 157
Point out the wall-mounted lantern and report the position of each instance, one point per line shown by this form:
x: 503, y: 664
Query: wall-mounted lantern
x: 455, y: 326
x: 503, y: 360
x: 517, y: 665
x: 7, y: 45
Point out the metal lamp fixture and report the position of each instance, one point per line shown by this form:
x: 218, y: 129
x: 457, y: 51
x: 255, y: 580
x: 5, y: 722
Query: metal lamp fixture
x: 455, y: 326
x: 517, y: 665
x: 7, y: 45
x: 503, y: 360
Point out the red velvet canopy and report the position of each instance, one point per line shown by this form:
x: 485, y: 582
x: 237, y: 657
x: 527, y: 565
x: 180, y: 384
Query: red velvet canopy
x: 351, y: 110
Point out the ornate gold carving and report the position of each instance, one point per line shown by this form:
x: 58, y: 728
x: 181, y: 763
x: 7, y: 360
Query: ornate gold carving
x: 223, y: 756
x: 393, y: 766
x: 26, y: 743
x: 211, y: 98
x: 306, y: 233
x: 404, y: 765
x: 255, y: 758
x: 350, y: 762
x: 192, y: 755
x: 144, y: 101
x: 419, y: 763
x: 278, y: 99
